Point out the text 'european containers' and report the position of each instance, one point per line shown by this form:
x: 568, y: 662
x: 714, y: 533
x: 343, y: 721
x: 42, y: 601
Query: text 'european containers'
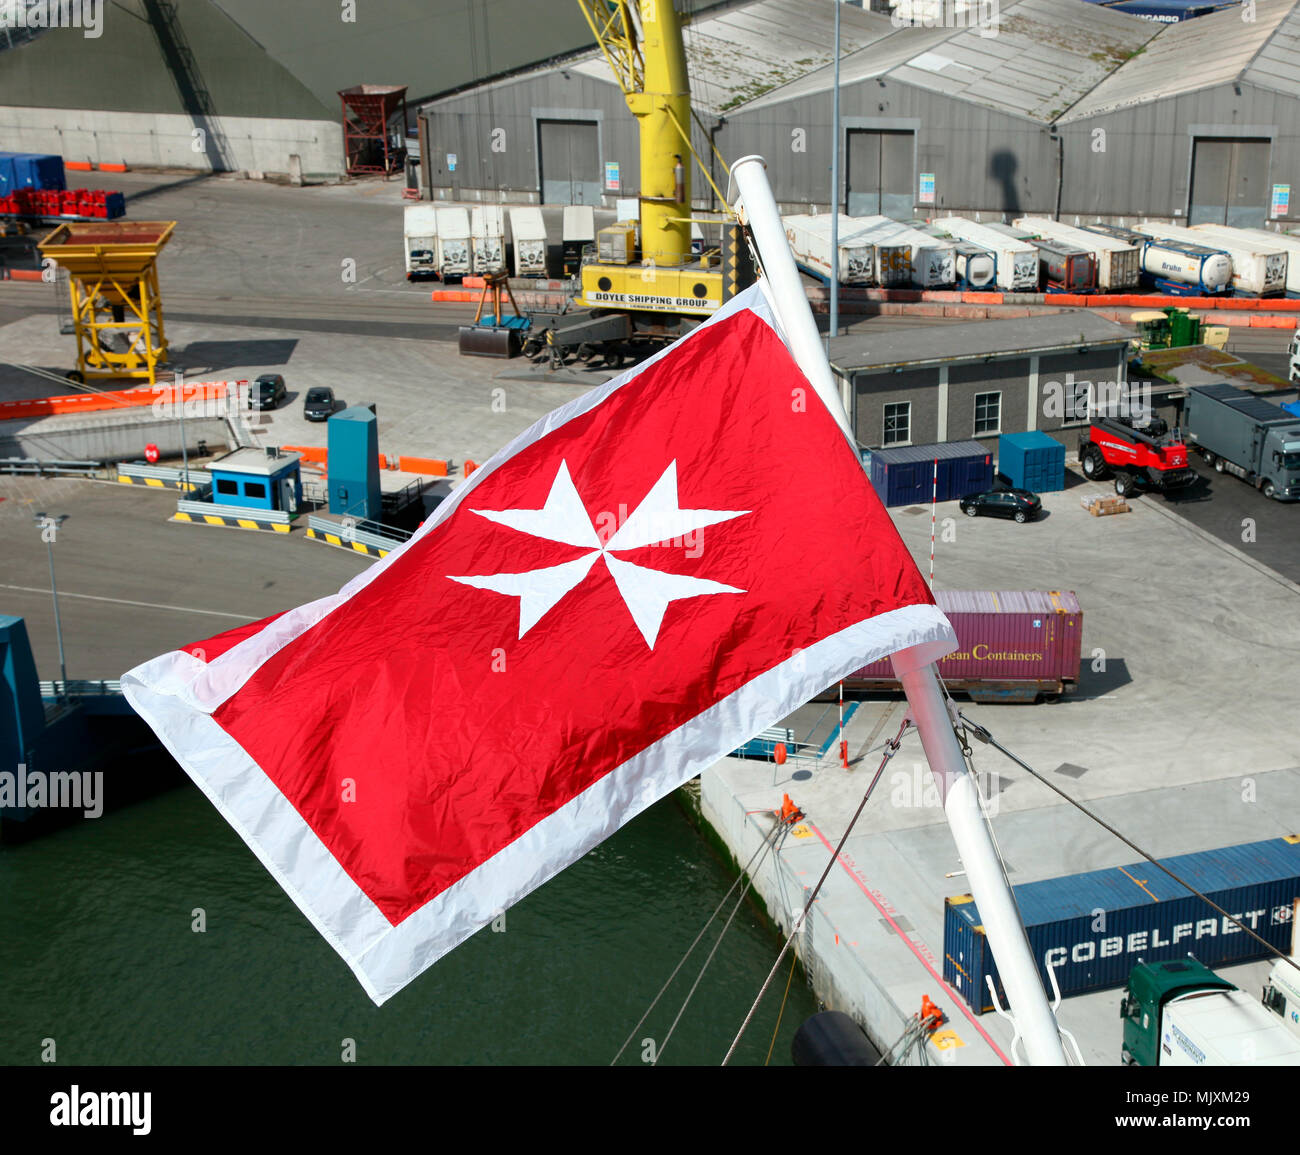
x: 1093, y: 928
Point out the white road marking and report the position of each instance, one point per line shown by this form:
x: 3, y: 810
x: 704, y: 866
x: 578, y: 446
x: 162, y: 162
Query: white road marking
x: 127, y: 602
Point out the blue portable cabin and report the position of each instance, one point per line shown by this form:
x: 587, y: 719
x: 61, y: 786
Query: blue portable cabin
x: 354, y: 488
x: 257, y: 479
x: 905, y: 476
x: 1093, y: 927
x: 1032, y: 461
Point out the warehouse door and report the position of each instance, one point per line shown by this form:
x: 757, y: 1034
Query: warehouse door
x: 1229, y: 182
x: 880, y: 174
x: 570, y: 162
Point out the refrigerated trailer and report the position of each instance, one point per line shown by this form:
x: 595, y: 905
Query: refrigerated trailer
x: 1175, y: 266
x: 809, y: 236
x: 1262, y: 238
x: 1181, y: 1014
x: 933, y: 260
x: 1016, y: 260
x: 529, y: 233
x: 454, y: 255
x: 1119, y: 263
x: 420, y: 239
x: 487, y: 239
x: 1245, y: 435
x: 1258, y: 268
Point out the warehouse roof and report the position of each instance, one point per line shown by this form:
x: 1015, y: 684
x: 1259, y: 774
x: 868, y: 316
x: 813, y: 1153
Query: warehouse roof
x: 740, y: 53
x: 929, y: 344
x: 1216, y: 49
x: 1037, y: 60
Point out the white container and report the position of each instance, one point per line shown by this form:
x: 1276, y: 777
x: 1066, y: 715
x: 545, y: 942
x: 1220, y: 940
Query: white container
x: 453, y: 250
x: 420, y: 239
x: 1017, y: 261
x: 977, y: 267
x: 1257, y: 269
x: 933, y: 260
x: 529, y: 231
x: 1118, y: 264
x: 579, y: 225
x: 1261, y: 238
x: 810, y: 241
x: 488, y: 239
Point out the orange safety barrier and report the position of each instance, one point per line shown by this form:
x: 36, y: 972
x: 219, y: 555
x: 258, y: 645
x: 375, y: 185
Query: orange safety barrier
x: 79, y: 165
x: 112, y: 168
x: 453, y: 295
x: 469, y: 467
x: 311, y: 454
x: 25, y: 275
x: 108, y: 399
x: 429, y: 465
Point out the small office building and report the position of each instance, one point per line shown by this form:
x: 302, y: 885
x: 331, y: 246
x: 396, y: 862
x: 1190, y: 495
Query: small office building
x: 257, y: 479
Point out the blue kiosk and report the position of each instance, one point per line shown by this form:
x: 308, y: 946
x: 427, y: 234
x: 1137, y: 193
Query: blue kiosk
x: 257, y: 479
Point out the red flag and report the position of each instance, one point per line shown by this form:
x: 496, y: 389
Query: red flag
x: 627, y: 592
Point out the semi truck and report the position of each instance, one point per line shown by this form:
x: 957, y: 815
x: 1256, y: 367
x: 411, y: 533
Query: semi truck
x: 1239, y: 433
x: 1282, y: 993
x: 1181, y: 1014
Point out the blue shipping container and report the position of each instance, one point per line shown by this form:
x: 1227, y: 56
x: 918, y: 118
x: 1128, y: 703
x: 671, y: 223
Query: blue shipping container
x: 1093, y: 928
x: 30, y: 170
x: 906, y: 476
x: 1032, y: 461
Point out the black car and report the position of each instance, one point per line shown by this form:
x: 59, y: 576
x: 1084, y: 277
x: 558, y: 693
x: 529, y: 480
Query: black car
x: 319, y: 403
x: 266, y: 392
x: 1018, y: 504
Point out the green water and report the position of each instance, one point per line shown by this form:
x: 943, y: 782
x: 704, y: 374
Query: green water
x: 97, y: 952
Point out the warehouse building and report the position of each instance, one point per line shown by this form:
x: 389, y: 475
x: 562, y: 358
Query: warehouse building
x: 958, y: 382
x: 1030, y: 107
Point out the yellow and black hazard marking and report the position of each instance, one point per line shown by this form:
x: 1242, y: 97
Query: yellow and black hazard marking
x: 232, y: 522
x: 155, y: 482
x: 343, y: 543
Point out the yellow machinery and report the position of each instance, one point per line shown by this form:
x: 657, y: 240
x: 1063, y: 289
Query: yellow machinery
x: 645, y: 287
x: 116, y: 307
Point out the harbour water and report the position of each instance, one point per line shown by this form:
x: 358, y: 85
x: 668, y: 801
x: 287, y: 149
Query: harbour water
x: 100, y: 951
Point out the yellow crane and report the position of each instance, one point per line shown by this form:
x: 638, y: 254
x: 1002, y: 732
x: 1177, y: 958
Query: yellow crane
x: 645, y: 287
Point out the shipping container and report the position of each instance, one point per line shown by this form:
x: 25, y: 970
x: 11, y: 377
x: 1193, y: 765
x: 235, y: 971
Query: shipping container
x: 1258, y: 268
x: 420, y: 239
x: 933, y: 260
x: 1263, y: 238
x: 1065, y: 268
x: 905, y: 476
x: 1016, y: 261
x: 1093, y: 928
x: 1032, y: 461
x: 810, y: 241
x: 529, y: 231
x: 1119, y: 263
x: 30, y: 170
x: 1012, y: 645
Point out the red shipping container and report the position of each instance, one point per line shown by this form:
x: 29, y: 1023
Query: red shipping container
x: 1012, y: 645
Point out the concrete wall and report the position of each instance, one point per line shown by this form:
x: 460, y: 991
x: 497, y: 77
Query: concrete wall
x: 254, y: 144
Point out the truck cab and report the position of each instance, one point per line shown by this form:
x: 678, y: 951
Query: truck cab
x: 1282, y: 994
x: 1181, y: 1014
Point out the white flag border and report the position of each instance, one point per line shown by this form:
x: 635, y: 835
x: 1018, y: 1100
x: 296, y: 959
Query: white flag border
x: 176, y: 694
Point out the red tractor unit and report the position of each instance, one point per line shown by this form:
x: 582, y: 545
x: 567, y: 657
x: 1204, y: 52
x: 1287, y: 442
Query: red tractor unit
x: 1140, y: 453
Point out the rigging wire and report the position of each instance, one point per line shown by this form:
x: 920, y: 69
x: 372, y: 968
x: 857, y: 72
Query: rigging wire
x: 784, y: 828
x: 984, y: 736
x: 794, y: 958
x: 764, y: 845
x: 890, y: 751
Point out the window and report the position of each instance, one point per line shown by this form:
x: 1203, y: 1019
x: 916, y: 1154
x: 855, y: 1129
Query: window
x: 988, y: 413
x: 254, y: 489
x: 898, y: 423
x: 225, y: 485
x: 1077, y: 394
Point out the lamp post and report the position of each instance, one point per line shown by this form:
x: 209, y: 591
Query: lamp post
x: 180, y: 409
x: 49, y: 528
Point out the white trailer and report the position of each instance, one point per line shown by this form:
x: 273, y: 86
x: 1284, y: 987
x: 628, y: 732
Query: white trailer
x: 1118, y: 263
x: 529, y: 231
x: 810, y: 241
x: 487, y: 239
x: 1262, y: 238
x: 577, y: 231
x: 933, y: 260
x: 420, y: 239
x: 453, y: 250
x: 1017, y: 261
x: 1258, y: 269
x: 1282, y: 993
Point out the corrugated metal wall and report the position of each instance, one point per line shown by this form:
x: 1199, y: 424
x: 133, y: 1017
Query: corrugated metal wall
x: 1146, y: 163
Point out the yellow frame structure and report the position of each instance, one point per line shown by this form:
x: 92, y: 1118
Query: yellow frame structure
x: 113, y: 283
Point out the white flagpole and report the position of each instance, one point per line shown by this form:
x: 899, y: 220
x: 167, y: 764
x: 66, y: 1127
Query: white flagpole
x: 1034, y: 1019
